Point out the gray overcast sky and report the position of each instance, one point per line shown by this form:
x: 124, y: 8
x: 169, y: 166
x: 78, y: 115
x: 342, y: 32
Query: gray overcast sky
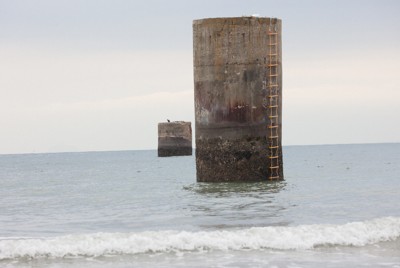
x: 99, y: 75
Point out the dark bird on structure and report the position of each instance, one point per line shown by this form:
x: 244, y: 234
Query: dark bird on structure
x: 168, y: 120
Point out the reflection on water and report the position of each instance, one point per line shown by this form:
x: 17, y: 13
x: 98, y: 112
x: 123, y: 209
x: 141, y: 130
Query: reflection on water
x: 237, y: 205
x: 224, y: 189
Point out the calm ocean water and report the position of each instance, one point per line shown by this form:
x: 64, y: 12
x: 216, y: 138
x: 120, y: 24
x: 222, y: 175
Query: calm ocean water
x: 338, y: 207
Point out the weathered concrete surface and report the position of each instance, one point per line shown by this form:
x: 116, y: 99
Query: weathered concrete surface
x: 230, y: 73
x: 174, y: 138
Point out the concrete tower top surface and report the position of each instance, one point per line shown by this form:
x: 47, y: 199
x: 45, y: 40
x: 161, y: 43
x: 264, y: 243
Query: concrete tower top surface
x: 236, y: 20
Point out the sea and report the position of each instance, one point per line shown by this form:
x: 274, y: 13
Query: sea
x: 339, y: 206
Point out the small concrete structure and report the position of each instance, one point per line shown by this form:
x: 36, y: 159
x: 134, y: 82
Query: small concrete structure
x: 174, y: 138
x: 238, y: 99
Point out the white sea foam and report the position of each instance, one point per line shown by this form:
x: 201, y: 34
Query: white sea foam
x: 280, y: 238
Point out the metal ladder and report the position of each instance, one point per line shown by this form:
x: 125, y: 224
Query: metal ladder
x: 272, y: 87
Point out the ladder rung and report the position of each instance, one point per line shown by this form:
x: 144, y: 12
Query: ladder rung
x: 273, y: 137
x: 272, y: 106
x: 274, y: 54
x: 272, y: 33
x: 273, y: 147
x: 273, y: 126
x: 273, y: 96
x: 275, y: 167
x: 273, y: 157
x: 273, y: 116
x: 272, y: 74
x: 273, y: 85
x: 273, y: 64
x: 273, y: 177
x: 273, y: 44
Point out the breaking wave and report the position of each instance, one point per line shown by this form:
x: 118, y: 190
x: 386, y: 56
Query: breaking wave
x: 279, y: 238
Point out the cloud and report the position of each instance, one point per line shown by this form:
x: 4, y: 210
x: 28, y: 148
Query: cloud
x: 110, y: 124
x: 341, y: 98
x: 150, y: 101
x: 40, y: 76
x: 61, y: 100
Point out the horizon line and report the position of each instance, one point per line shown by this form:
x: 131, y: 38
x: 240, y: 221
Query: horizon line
x: 155, y: 149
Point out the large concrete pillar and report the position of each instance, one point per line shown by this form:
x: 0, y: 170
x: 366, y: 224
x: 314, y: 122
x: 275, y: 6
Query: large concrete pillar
x: 238, y: 99
x: 174, y: 138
